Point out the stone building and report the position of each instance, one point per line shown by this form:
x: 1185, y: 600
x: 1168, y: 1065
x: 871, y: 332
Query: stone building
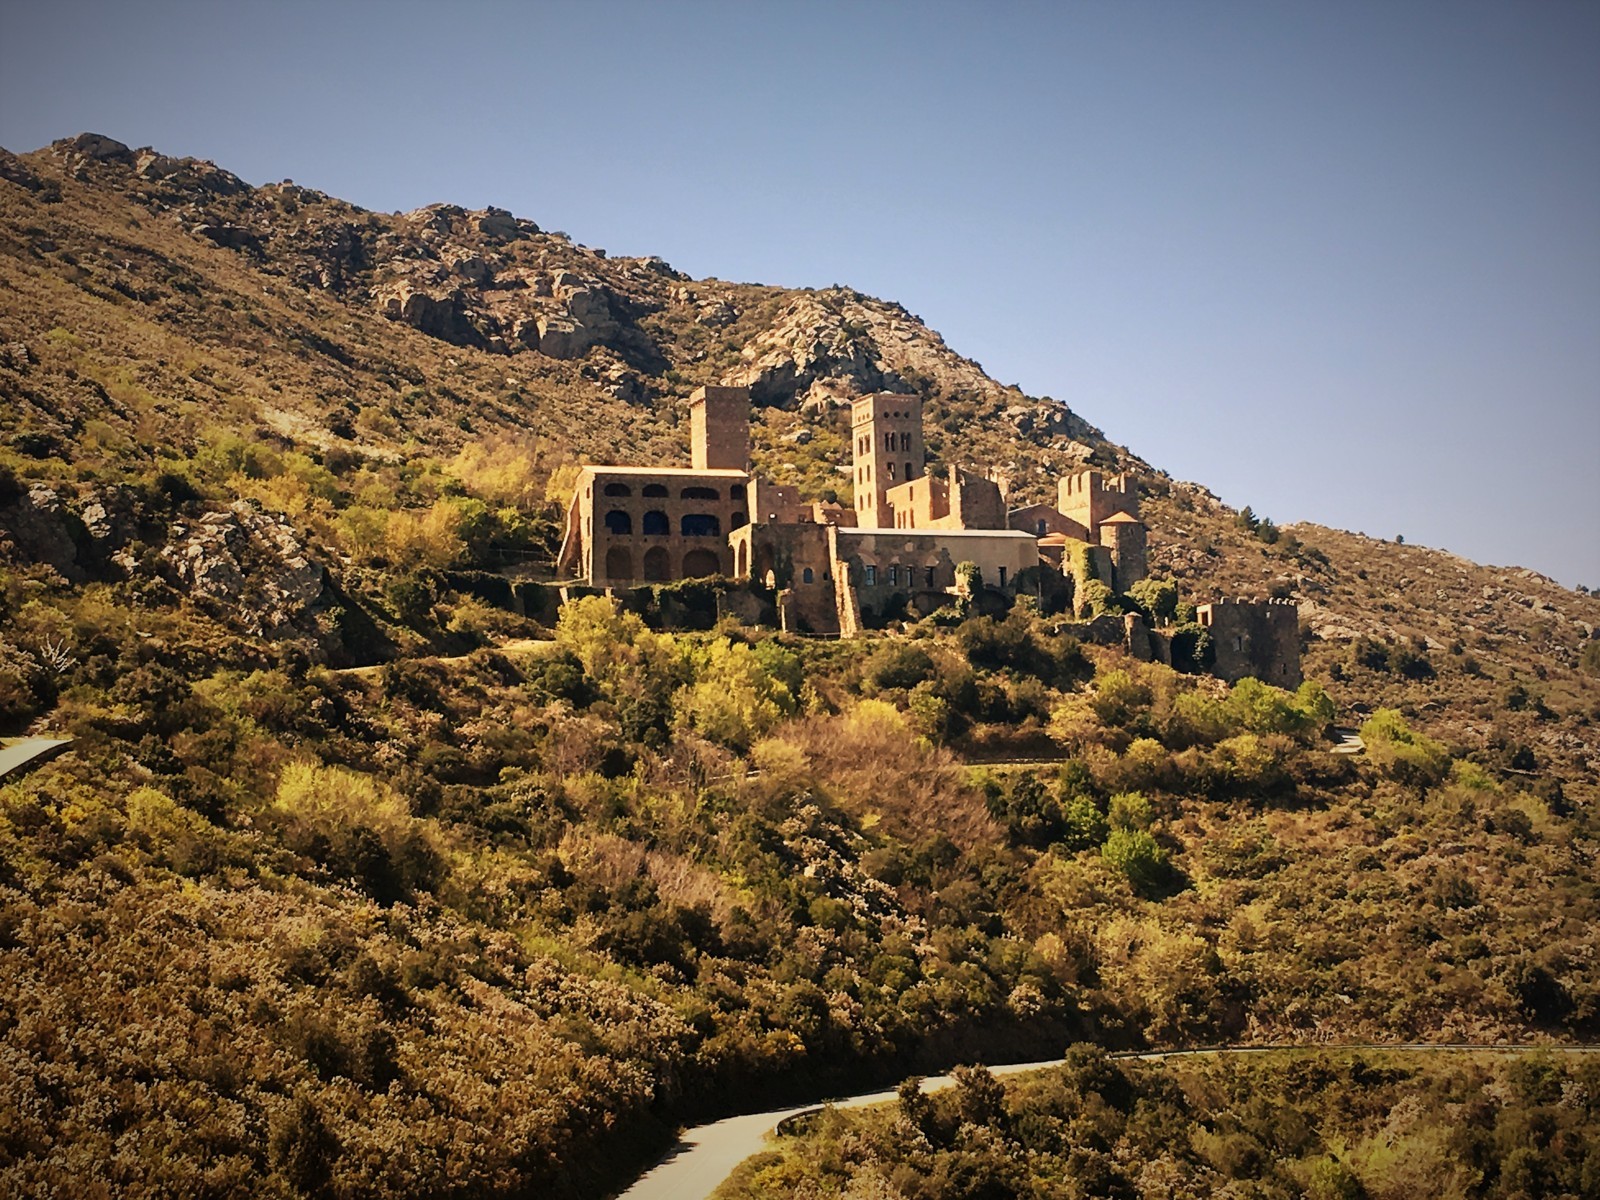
x: 1254, y: 637
x: 629, y: 525
x: 896, y: 551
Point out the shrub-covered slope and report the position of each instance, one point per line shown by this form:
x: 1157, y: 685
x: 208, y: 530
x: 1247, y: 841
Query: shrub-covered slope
x: 489, y: 924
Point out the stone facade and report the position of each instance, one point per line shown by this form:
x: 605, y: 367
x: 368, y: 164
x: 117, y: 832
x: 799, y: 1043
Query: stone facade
x: 1254, y: 637
x: 640, y: 524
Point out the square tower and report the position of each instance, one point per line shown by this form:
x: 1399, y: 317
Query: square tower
x: 719, y: 422
x: 886, y: 443
x: 1089, y: 497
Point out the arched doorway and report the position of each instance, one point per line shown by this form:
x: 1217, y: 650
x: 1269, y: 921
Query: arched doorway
x: 702, y: 562
x: 742, y: 562
x: 657, y: 566
x: 619, y: 563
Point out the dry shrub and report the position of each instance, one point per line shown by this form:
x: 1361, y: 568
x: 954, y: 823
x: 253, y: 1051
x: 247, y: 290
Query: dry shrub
x: 869, y: 761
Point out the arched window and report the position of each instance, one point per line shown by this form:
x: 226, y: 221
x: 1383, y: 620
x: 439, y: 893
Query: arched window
x: 736, y: 492
x: 619, y: 563
x: 618, y: 522
x: 699, y: 493
x: 618, y: 489
x: 909, y: 472
x: 738, y: 521
x: 807, y: 575
x: 654, y: 489
x: 891, y: 472
x: 657, y: 566
x: 697, y: 564
x: 655, y: 523
x: 1041, y: 525
x: 700, y: 525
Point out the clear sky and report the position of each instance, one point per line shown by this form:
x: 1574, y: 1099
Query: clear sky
x: 1338, y: 261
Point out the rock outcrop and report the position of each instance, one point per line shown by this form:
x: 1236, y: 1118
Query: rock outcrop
x: 249, y: 568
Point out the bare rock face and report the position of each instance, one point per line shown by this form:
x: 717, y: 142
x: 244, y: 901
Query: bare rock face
x: 45, y: 530
x: 441, y: 315
x: 249, y: 567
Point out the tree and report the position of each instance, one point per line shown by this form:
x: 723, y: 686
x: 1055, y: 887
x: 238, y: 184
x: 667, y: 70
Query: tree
x: 1158, y: 597
x: 1402, y: 753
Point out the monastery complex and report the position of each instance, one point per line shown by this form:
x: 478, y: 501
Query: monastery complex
x: 910, y: 544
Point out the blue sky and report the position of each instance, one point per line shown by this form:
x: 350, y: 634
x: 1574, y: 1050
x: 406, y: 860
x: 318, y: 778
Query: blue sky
x: 1340, y: 262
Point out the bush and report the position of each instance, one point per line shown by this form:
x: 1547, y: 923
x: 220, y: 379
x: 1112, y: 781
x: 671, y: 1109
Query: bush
x: 1403, y: 754
x: 1136, y: 854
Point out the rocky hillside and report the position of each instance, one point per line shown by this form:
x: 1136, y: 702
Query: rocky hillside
x: 177, y: 343
x: 496, y: 923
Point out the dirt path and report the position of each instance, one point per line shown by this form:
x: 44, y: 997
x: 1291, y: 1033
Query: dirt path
x: 514, y: 646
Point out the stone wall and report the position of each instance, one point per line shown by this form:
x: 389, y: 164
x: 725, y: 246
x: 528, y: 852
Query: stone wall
x: 1254, y: 637
x: 719, y: 426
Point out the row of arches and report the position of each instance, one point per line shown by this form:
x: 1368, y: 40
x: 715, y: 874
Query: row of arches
x: 660, y: 491
x: 656, y: 523
x: 657, y: 564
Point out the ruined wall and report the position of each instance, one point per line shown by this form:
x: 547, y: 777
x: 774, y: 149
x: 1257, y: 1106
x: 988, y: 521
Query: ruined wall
x: 1254, y: 637
x: 795, y: 559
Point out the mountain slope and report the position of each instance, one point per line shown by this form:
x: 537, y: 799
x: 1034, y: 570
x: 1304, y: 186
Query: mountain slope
x: 492, y: 923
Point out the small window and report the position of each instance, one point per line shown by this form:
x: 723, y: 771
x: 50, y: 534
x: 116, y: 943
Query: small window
x: 738, y: 521
x: 618, y: 522
x: 654, y: 489
x: 656, y: 524
x: 736, y: 492
x: 1040, y: 526
x: 888, y: 441
x: 699, y: 493
x: 618, y: 489
x: 808, y: 576
x: 910, y: 471
x: 891, y: 472
x: 871, y: 575
x: 928, y: 572
x: 894, y: 576
x: 1002, y: 577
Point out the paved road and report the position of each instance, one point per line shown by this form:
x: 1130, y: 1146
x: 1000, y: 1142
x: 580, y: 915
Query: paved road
x: 707, y: 1154
x: 17, y: 754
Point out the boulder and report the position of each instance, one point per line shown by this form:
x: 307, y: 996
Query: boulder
x: 96, y: 147
x: 562, y: 337
x: 46, y: 531
x: 497, y: 223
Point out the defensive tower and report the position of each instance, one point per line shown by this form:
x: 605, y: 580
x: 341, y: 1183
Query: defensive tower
x: 719, y: 421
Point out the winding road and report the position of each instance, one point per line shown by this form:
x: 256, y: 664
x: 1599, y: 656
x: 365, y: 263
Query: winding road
x: 707, y: 1154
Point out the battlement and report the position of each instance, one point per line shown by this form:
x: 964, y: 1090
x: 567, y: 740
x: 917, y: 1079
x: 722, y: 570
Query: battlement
x: 1090, y: 496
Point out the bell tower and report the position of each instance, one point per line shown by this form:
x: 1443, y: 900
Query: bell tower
x: 887, y: 449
